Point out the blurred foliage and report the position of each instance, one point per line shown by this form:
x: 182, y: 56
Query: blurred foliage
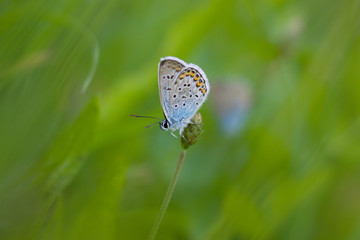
x: 74, y: 165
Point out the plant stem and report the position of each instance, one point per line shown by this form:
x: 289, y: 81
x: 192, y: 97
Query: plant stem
x: 168, y: 196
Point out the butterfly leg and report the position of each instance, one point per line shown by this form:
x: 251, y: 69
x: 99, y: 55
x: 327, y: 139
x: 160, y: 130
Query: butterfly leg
x: 181, y: 134
x: 172, y: 133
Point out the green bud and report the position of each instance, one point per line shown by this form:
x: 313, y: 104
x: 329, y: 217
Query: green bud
x: 192, y: 132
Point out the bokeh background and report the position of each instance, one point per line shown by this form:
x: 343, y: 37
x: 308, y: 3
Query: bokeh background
x: 280, y: 154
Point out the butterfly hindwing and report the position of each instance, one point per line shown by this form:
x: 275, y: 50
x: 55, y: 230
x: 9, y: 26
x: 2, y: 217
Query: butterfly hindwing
x: 188, y: 92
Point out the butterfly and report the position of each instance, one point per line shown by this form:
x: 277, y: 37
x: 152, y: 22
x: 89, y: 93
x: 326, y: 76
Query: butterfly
x: 183, y: 88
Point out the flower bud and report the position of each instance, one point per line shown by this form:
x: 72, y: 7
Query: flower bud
x: 192, y: 132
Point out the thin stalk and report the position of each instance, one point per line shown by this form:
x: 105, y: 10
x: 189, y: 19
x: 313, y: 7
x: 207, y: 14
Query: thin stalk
x: 168, y: 196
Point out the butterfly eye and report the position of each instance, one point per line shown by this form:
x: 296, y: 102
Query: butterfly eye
x: 166, y: 125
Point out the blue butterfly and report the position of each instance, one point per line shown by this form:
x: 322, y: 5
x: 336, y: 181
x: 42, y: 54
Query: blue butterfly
x: 183, y: 89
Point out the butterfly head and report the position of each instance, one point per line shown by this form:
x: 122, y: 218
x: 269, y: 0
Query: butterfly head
x: 164, y: 125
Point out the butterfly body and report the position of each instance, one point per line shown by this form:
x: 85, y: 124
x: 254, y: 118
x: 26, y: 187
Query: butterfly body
x: 183, y: 88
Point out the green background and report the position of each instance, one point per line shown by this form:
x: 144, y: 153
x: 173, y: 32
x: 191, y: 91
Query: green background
x: 74, y: 165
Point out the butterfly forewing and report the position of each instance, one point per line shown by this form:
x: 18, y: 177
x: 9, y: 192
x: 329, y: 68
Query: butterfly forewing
x: 169, y: 69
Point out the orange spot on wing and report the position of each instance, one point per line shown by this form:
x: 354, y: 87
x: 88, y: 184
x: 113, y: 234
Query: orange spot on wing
x: 203, y: 90
x: 196, y: 78
x: 199, y: 84
x: 182, y: 76
x: 192, y: 74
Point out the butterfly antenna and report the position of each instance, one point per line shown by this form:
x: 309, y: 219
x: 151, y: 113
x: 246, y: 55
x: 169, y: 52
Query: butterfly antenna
x: 152, y: 124
x: 145, y: 117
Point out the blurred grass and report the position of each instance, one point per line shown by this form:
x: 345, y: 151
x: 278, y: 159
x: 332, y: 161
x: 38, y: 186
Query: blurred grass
x: 73, y: 165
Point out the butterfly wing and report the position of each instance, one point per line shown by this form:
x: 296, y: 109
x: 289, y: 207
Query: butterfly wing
x: 188, y: 92
x: 169, y: 69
